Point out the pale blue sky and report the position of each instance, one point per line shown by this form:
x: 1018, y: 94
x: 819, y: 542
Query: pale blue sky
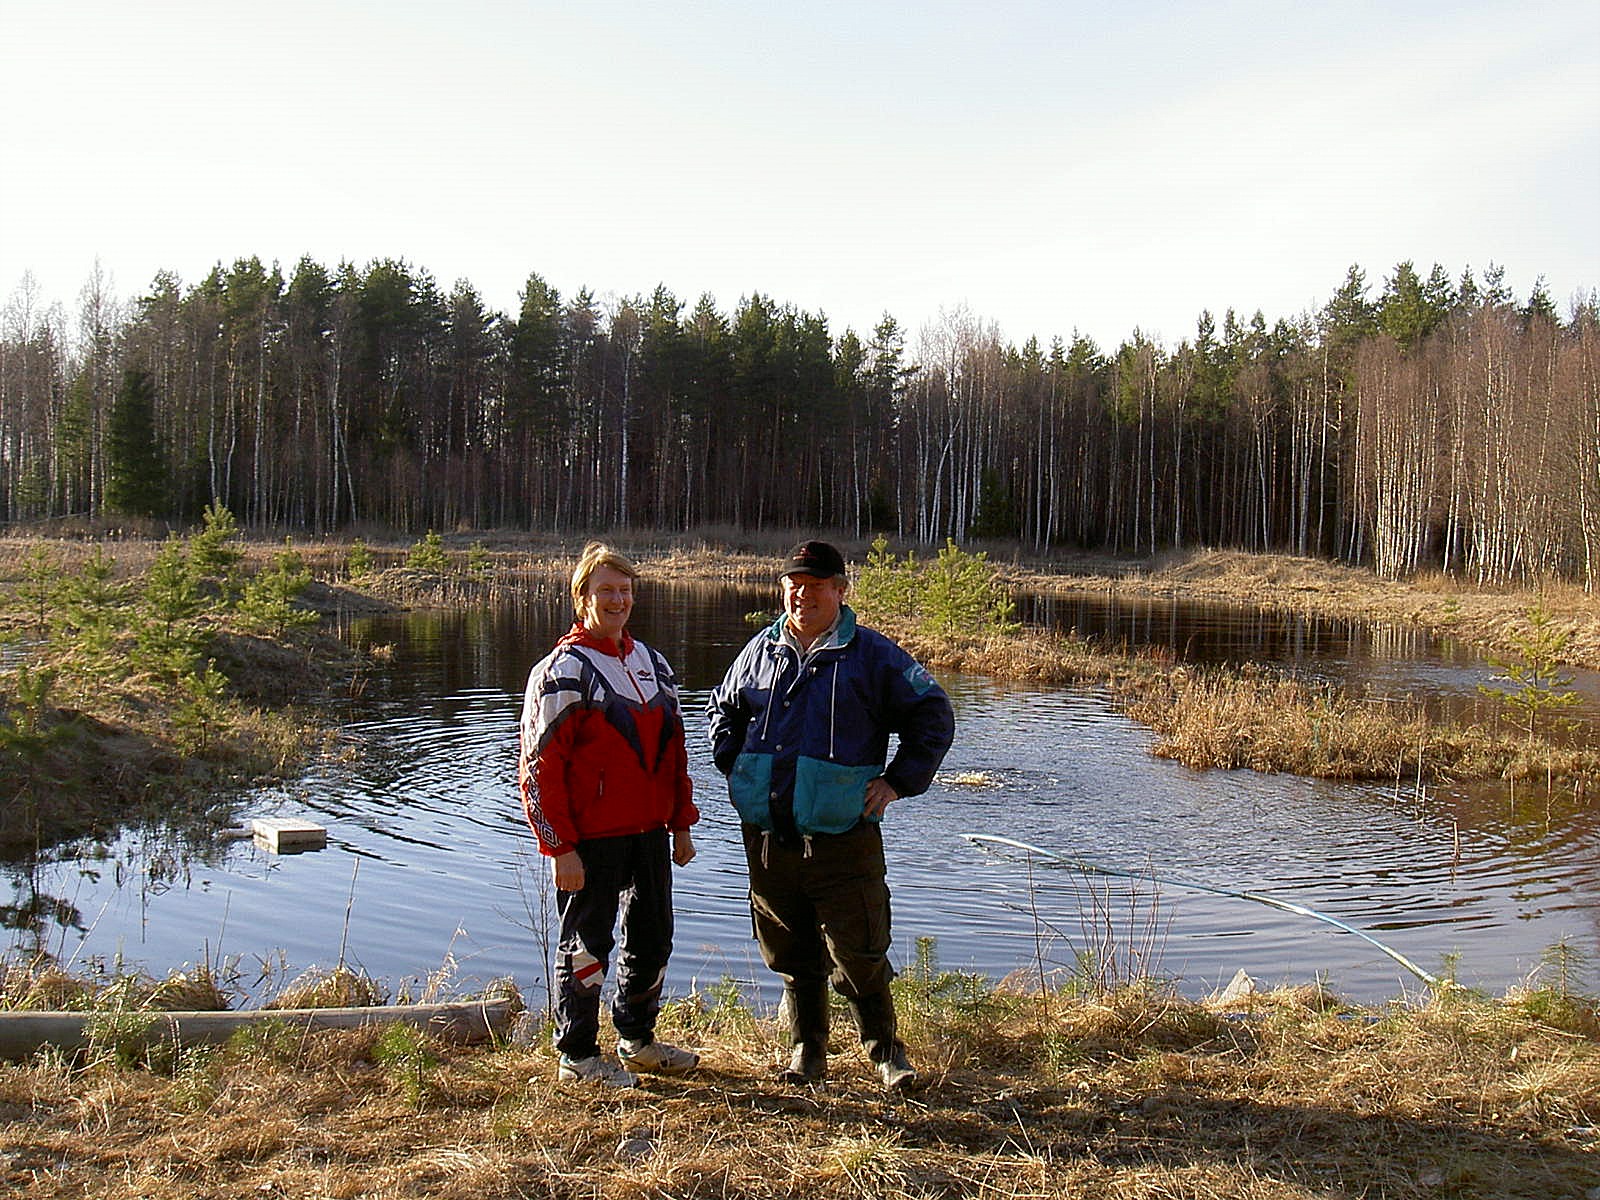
x: 1050, y: 167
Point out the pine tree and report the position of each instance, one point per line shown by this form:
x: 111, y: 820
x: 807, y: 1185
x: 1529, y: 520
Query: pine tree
x: 136, y: 473
x: 1412, y: 308
x: 1540, y: 306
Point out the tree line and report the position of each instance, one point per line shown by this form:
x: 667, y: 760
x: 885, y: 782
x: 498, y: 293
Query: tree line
x: 1438, y: 423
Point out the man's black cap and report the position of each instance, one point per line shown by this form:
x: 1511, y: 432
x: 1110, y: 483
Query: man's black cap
x: 814, y: 558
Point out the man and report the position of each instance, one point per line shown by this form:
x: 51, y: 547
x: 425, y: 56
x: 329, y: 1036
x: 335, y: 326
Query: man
x: 800, y: 725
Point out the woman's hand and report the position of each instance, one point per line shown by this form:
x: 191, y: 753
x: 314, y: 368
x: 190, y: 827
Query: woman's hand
x: 682, y: 847
x: 569, y: 872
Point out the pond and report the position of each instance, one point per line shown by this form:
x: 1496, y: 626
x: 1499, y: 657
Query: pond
x: 431, y: 870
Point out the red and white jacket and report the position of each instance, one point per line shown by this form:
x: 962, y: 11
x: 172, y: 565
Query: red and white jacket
x: 602, y: 744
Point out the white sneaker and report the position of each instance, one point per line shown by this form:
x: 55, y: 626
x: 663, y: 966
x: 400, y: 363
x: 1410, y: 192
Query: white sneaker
x: 595, y: 1070
x: 658, y: 1058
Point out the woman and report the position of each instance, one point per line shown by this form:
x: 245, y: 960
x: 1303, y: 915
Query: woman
x: 604, y: 777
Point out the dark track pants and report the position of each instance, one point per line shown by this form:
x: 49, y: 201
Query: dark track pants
x: 627, y: 881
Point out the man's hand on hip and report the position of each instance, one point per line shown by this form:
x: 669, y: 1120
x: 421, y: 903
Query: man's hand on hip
x: 879, y: 796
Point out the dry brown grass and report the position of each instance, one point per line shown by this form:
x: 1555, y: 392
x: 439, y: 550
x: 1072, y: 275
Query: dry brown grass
x: 1260, y: 719
x: 43, y: 986
x: 1027, y: 656
x: 1243, y: 718
x: 340, y: 987
x: 1133, y: 1095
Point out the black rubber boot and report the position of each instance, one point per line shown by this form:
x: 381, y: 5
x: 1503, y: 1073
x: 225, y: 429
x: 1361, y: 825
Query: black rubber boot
x: 808, y: 1031
x: 808, y: 1064
x: 876, y: 1021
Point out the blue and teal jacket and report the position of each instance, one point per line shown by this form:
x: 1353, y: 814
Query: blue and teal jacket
x: 799, y: 738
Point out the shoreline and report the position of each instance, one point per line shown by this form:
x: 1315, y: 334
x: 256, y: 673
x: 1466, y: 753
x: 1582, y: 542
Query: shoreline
x: 1486, y: 618
x: 1482, y: 616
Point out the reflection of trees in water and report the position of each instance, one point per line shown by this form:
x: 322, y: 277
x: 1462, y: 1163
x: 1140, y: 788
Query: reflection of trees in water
x: 36, y: 914
x: 1210, y: 632
x: 442, y: 654
x: 1196, y: 632
x: 1528, y: 821
x: 38, y: 911
x: 1399, y: 642
x: 153, y: 859
x: 168, y: 864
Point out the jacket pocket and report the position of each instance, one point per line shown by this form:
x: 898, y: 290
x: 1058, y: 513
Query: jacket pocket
x: 750, y: 787
x: 829, y: 796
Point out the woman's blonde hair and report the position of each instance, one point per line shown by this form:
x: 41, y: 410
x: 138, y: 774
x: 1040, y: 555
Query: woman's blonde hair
x: 597, y: 554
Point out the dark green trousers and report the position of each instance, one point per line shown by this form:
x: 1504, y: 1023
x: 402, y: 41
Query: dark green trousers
x: 822, y: 915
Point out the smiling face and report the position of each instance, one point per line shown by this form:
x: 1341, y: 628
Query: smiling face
x: 606, y: 603
x: 812, y: 604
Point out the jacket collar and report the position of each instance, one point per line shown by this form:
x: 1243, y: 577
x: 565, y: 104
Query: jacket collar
x: 841, y: 635
x: 579, y: 636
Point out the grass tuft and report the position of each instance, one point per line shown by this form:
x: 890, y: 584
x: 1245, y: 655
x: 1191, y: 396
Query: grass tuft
x: 341, y: 987
x: 41, y: 985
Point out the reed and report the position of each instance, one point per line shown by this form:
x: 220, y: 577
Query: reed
x: 338, y: 987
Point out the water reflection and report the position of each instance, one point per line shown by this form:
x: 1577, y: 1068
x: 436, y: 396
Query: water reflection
x: 429, y: 861
x: 1401, y: 662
